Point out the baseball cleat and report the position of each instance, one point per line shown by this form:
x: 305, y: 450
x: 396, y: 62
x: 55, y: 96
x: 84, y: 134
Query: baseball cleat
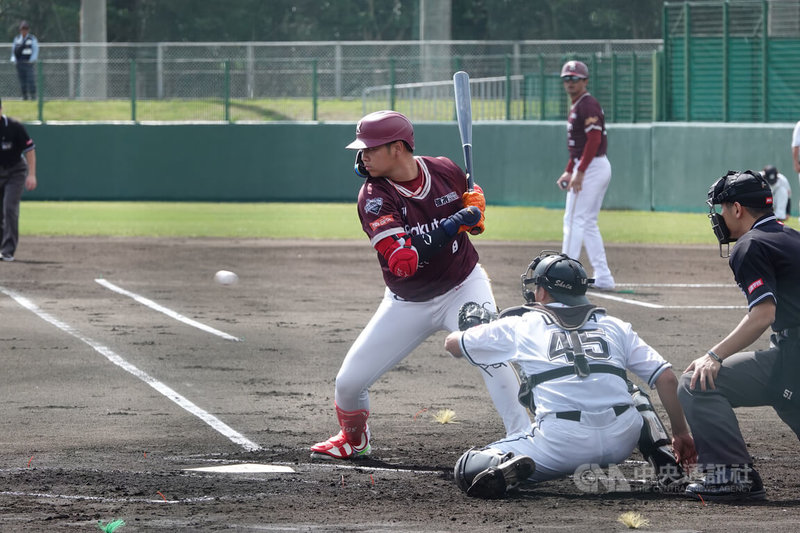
x: 494, y: 482
x: 730, y: 485
x: 337, y: 447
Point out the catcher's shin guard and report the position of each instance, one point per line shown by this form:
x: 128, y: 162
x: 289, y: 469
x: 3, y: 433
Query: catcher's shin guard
x: 490, y: 473
x: 654, y: 443
x: 351, y: 442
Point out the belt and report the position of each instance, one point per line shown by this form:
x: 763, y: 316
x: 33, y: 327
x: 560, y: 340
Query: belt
x: 791, y: 333
x: 575, y: 416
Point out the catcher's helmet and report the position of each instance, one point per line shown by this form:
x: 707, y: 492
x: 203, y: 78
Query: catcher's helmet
x: 575, y: 68
x: 770, y: 173
x: 564, y: 278
x: 382, y: 127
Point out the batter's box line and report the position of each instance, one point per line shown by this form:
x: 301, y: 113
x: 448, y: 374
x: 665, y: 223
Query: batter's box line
x: 649, y: 305
x: 161, y: 309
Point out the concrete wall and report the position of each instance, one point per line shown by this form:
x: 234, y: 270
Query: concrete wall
x: 661, y: 166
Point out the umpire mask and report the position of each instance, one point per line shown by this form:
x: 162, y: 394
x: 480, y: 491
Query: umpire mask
x: 748, y: 188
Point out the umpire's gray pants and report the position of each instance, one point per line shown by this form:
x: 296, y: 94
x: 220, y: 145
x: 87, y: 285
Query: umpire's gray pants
x: 12, y: 182
x: 743, y: 381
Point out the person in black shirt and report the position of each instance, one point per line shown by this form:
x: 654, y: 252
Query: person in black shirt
x: 766, y: 266
x: 16, y: 172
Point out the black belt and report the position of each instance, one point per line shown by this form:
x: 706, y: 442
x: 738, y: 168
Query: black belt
x: 575, y: 416
x: 791, y: 333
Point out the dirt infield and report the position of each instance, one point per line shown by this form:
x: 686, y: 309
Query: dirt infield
x: 112, y: 389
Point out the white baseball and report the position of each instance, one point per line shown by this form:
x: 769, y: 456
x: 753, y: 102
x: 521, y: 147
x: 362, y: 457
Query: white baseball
x: 226, y: 277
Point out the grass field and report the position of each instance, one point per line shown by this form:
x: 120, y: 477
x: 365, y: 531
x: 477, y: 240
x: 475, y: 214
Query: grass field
x: 332, y: 221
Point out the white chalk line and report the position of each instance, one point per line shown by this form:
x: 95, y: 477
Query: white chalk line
x: 105, y: 499
x: 161, y: 309
x: 649, y: 305
x: 215, y: 423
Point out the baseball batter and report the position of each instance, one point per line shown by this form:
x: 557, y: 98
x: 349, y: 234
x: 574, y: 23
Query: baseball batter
x: 781, y: 192
x: 587, y: 174
x: 573, y: 359
x: 416, y: 212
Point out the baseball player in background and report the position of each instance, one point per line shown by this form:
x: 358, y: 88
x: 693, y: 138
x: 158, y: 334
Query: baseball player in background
x: 766, y: 265
x: 781, y: 192
x: 587, y: 174
x: 416, y: 212
x: 796, y: 149
x: 573, y: 359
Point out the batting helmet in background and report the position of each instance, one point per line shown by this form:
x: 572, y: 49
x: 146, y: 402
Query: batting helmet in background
x: 563, y: 277
x: 770, y: 174
x: 575, y: 68
x: 382, y: 127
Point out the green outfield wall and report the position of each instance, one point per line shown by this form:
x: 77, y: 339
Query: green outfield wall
x: 660, y: 166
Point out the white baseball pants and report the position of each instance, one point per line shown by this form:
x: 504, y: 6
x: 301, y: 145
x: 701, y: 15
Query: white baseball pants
x: 580, y: 220
x: 399, y: 326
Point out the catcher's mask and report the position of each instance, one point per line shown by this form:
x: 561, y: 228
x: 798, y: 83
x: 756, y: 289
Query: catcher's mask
x: 375, y: 129
x: 564, y: 278
x: 748, y: 188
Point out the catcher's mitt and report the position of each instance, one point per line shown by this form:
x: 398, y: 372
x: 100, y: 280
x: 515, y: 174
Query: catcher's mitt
x: 472, y: 314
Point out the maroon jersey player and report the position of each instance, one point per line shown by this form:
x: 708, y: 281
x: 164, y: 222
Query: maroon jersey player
x: 416, y: 212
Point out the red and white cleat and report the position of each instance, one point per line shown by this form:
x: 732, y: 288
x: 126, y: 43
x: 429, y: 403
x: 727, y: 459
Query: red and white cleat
x: 337, y: 447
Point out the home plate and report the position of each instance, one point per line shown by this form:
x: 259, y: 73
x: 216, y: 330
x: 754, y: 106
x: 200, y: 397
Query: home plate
x: 243, y: 468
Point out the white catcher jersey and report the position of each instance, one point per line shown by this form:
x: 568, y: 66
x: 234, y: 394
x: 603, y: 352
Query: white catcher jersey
x: 537, y: 344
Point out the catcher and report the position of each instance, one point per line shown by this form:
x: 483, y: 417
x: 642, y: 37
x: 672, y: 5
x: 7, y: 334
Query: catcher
x: 573, y: 359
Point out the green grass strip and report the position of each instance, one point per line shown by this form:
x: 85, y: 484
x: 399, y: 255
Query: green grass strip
x: 331, y: 221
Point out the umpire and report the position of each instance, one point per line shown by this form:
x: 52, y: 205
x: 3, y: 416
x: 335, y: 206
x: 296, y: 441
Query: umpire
x: 16, y: 172
x: 766, y: 265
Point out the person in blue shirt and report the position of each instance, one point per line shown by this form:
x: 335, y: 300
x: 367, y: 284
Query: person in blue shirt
x: 25, y: 52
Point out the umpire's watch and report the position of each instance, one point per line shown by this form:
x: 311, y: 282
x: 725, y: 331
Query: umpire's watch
x: 715, y: 357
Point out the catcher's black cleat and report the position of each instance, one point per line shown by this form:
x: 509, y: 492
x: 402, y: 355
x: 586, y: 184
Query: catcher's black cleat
x: 670, y: 476
x: 732, y: 484
x: 494, y: 482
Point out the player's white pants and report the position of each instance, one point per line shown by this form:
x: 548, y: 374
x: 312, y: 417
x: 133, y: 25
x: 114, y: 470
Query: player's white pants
x: 580, y: 220
x: 399, y: 326
x: 559, y: 447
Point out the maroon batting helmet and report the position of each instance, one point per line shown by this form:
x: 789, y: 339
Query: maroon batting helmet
x: 575, y: 68
x: 382, y: 127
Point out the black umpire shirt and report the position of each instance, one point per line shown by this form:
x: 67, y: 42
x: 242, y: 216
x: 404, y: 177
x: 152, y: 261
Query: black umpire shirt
x: 766, y: 264
x: 14, y: 141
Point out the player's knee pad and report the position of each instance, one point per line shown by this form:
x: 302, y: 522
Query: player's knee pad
x: 475, y: 461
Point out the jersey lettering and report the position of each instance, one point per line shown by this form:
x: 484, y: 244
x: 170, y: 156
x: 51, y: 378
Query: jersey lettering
x: 455, y: 246
x: 591, y: 343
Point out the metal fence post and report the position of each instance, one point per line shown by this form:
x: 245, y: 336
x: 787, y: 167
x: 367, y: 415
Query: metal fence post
x: 614, y: 85
x: 132, y: 75
x: 508, y: 87
x: 634, y: 87
x: 227, y: 91
x: 40, y: 83
x: 687, y: 27
x: 391, y: 83
x: 726, y: 63
x: 543, y: 91
x: 313, y: 89
x: 656, y: 105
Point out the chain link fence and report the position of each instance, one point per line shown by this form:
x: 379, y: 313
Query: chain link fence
x: 242, y: 82
x: 732, y: 61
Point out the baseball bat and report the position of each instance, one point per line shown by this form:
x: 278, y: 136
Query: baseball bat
x: 464, y: 116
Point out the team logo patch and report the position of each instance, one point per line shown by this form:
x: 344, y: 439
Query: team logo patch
x: 769, y: 200
x: 373, y: 206
x: 452, y: 196
x: 375, y: 224
x: 753, y: 286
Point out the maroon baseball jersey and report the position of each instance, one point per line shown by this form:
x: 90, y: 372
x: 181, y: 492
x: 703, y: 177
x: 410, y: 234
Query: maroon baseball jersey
x: 387, y: 208
x: 584, y: 116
